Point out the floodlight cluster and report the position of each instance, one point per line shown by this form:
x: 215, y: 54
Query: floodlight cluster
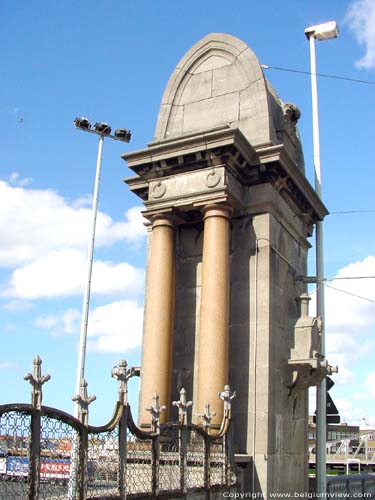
x: 103, y: 129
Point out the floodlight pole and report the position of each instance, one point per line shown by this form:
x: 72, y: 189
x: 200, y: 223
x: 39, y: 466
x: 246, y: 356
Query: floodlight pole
x: 103, y: 130
x: 123, y: 135
x: 86, y: 297
x: 321, y: 393
x: 321, y: 32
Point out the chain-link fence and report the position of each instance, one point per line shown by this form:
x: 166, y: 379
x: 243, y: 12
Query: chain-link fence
x: 46, y: 454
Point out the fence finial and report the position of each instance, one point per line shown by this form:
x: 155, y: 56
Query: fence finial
x: 36, y: 380
x: 155, y: 411
x: 207, y: 417
x: 119, y: 373
x: 227, y: 397
x: 122, y: 374
x: 182, y: 406
x: 83, y: 400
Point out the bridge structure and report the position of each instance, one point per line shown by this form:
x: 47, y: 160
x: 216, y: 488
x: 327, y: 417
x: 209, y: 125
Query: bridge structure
x: 229, y: 213
x: 349, y: 454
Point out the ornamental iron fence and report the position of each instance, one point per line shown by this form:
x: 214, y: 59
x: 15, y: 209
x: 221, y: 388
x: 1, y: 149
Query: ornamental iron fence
x: 47, y: 454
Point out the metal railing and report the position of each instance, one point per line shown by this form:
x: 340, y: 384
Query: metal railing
x: 353, y: 486
x: 46, y: 453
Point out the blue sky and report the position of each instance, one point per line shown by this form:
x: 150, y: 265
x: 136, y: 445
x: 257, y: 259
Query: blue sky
x: 110, y: 61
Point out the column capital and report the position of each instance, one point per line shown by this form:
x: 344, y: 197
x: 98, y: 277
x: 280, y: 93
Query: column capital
x: 163, y: 219
x: 217, y: 210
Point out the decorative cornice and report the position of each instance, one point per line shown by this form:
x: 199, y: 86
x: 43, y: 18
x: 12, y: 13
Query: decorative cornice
x: 224, y: 147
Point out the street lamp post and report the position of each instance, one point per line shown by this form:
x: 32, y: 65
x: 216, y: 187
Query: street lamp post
x: 324, y: 31
x: 103, y: 130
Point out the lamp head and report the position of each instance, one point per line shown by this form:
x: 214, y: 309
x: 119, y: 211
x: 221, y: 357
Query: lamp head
x: 82, y: 123
x: 123, y: 135
x: 102, y: 128
x: 324, y: 31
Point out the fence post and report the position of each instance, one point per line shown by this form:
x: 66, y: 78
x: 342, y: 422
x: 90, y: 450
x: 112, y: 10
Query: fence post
x: 122, y: 375
x: 36, y: 380
x: 182, y: 405
x: 207, y: 417
x: 207, y: 464
x: 155, y: 465
x: 122, y: 451
x: 83, y: 400
x: 226, y: 396
x: 155, y: 410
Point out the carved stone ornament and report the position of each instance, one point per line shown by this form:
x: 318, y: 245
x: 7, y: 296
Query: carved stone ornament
x: 309, y: 366
x: 213, y: 179
x: 291, y: 113
x: 159, y: 189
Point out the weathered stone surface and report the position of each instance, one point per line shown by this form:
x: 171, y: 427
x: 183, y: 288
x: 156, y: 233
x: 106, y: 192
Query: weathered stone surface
x: 220, y: 82
x: 225, y: 141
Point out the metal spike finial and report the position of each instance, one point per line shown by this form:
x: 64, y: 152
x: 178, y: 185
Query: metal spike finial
x: 37, y: 380
x: 207, y: 417
x: 155, y: 411
x: 227, y: 397
x: 182, y: 406
x: 123, y: 374
x: 83, y: 400
x: 119, y: 372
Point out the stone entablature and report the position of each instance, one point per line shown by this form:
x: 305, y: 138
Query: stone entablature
x: 183, y: 172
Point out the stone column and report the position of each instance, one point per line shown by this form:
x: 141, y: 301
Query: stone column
x: 159, y: 318
x: 214, y: 311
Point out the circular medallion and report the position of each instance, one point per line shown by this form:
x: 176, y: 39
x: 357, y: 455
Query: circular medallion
x: 159, y: 189
x: 212, y: 179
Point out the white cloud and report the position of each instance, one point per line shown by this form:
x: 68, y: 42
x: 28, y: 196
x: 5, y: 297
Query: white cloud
x: 312, y: 400
x: 43, y: 221
x: 46, y: 245
x: 370, y: 384
x: 66, y: 323
x: 349, y: 303
x: 344, y: 350
x: 360, y: 18
x: 62, y: 273
x: 114, y: 327
x: 348, y: 308
x: 346, y: 410
x: 16, y: 180
x: 10, y: 328
x: 17, y: 305
x: 350, y: 322
x: 7, y: 365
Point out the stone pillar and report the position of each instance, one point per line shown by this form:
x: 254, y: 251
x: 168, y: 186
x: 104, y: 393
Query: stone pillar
x: 159, y: 318
x: 214, y: 311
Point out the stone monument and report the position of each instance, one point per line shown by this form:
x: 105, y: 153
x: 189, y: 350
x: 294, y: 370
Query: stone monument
x: 230, y: 212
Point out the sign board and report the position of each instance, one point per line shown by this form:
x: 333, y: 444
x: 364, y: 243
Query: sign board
x: 332, y: 412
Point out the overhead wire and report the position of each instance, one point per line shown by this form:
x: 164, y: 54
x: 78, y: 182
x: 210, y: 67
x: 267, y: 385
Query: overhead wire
x: 354, y: 80
x: 349, y: 293
x: 345, y: 291
x: 349, y: 278
x: 324, y: 75
x: 353, y: 212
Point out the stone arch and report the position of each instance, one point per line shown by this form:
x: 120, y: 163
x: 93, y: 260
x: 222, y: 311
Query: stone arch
x: 218, y: 83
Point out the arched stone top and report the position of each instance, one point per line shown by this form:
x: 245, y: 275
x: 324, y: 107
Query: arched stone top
x: 219, y: 83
